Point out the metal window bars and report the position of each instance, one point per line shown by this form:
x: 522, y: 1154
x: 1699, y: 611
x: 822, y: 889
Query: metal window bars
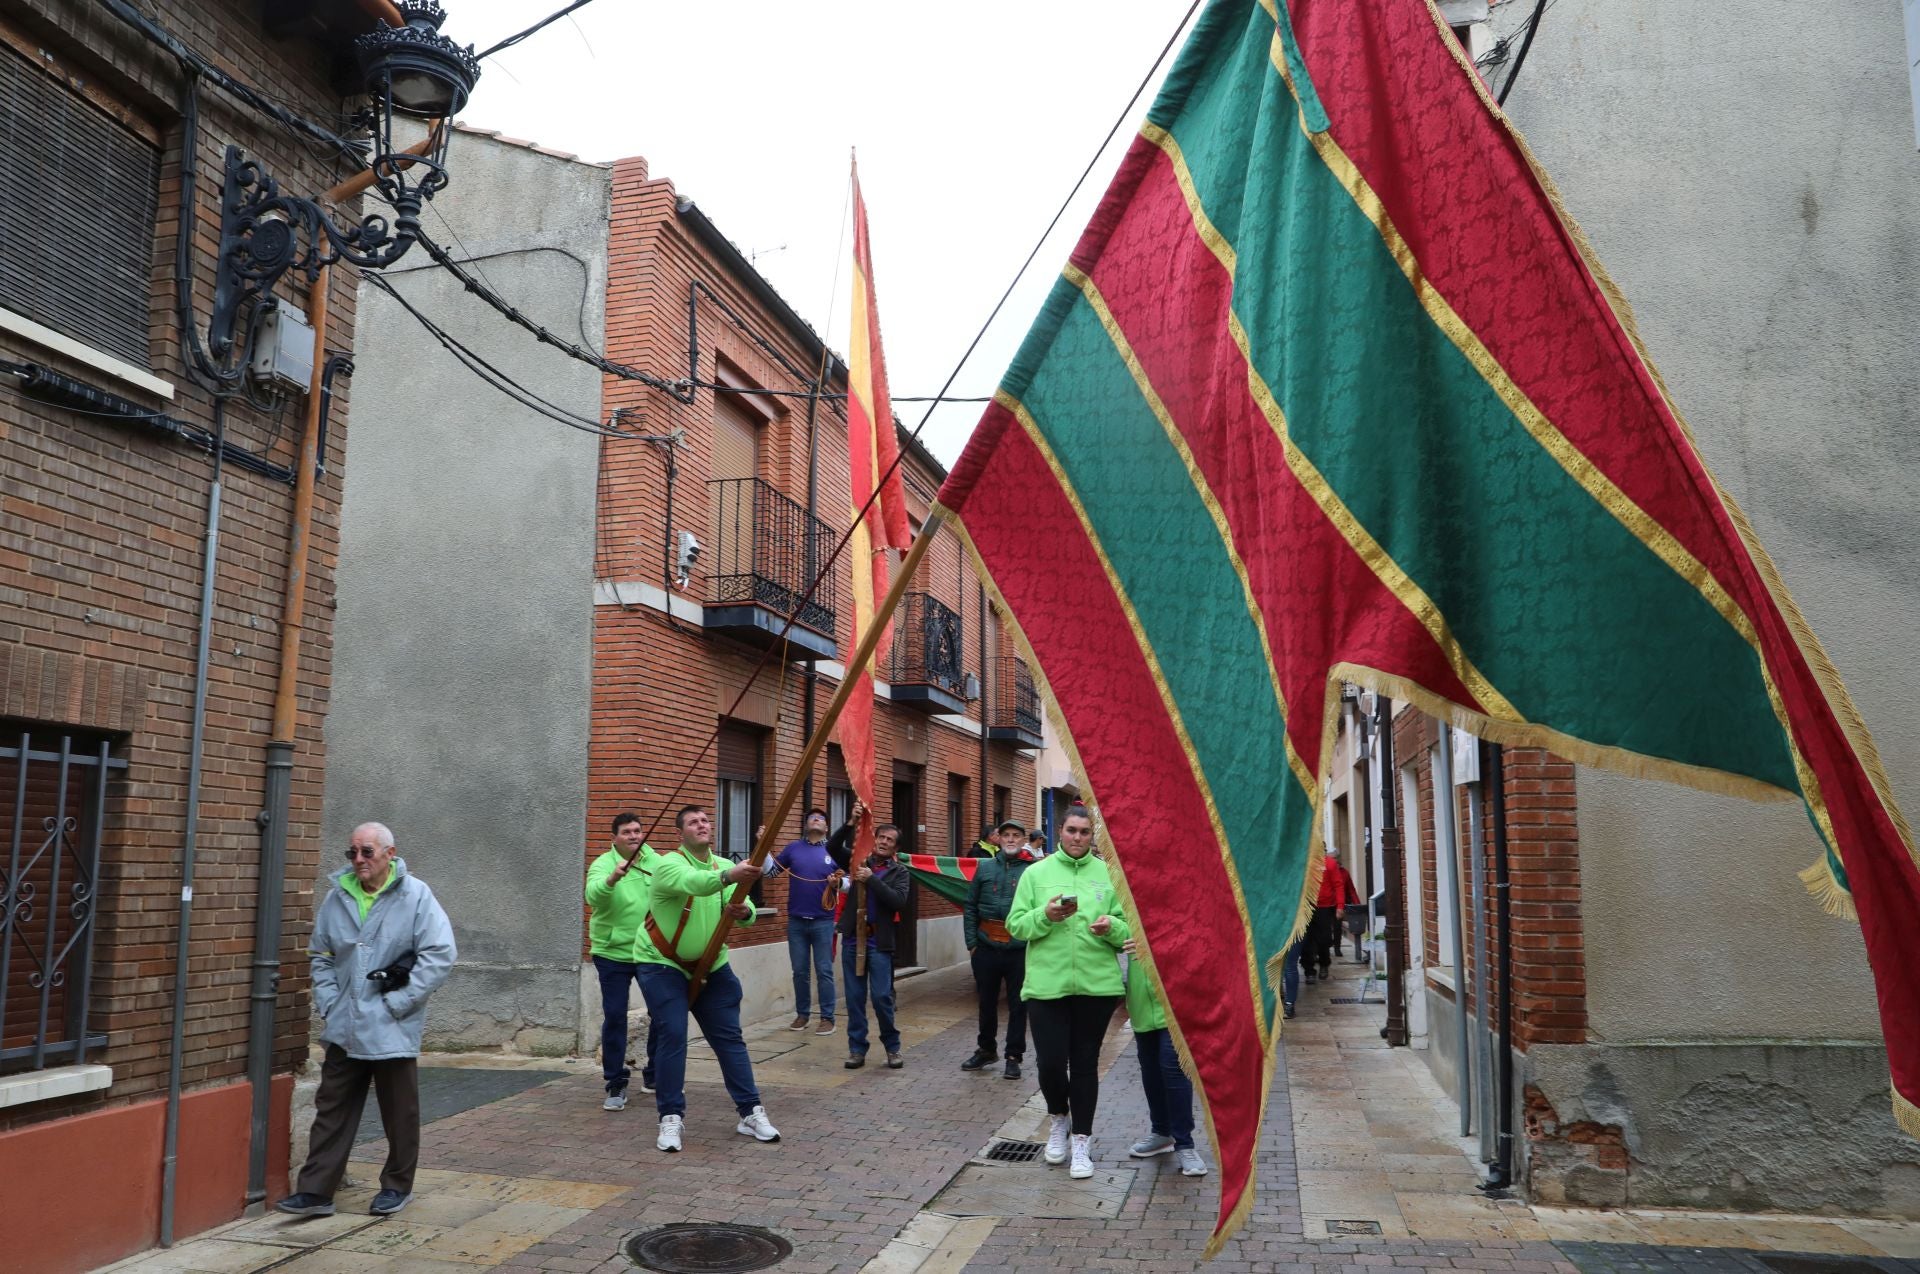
x: 927, y: 649
x: 1016, y: 701
x: 766, y: 551
x: 53, y: 797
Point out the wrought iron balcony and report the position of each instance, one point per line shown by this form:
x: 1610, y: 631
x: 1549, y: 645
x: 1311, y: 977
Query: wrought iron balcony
x: 926, y: 669
x: 1013, y: 713
x: 766, y: 550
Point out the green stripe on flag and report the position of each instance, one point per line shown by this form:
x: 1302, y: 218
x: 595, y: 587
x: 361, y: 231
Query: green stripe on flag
x: 1550, y: 596
x: 945, y: 876
x: 1152, y: 523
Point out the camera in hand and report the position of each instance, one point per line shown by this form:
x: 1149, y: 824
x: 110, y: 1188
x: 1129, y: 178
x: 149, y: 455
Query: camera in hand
x: 395, y: 975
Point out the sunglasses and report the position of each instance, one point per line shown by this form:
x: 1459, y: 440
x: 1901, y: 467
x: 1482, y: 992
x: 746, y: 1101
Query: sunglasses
x: 354, y: 852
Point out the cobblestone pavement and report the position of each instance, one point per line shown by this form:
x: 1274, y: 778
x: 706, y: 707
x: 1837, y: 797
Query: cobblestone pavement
x: 880, y: 1170
x: 449, y: 1090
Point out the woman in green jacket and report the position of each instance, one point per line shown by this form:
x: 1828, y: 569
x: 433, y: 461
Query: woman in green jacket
x: 1068, y: 914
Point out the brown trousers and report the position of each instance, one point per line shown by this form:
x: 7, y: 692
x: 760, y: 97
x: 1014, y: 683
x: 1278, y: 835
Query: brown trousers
x: 336, y: 1120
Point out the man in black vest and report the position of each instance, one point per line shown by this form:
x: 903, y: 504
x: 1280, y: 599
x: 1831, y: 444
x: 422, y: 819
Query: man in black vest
x: 999, y: 958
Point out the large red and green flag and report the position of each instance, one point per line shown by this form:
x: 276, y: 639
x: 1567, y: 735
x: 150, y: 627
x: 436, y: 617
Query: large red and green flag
x: 878, y: 524
x: 948, y: 877
x: 1332, y: 390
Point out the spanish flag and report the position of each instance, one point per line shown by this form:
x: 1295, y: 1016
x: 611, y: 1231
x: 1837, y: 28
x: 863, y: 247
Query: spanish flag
x: 1332, y: 390
x: 872, y: 451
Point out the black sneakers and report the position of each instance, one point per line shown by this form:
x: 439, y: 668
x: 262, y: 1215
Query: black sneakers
x: 1013, y: 1068
x: 388, y: 1202
x: 982, y: 1058
x: 305, y: 1205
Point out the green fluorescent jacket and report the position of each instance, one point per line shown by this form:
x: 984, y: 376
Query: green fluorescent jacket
x: 1067, y: 958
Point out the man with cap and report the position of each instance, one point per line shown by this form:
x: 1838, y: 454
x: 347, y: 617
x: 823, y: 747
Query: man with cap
x: 999, y: 958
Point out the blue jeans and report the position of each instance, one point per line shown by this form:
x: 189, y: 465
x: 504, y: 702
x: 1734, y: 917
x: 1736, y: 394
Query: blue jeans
x: 810, y: 951
x: 718, y: 1013
x: 1169, y: 1091
x: 876, y: 984
x: 616, y: 980
x: 1290, y: 976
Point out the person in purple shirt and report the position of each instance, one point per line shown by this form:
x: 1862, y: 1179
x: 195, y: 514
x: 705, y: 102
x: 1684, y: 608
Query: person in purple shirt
x: 812, y: 889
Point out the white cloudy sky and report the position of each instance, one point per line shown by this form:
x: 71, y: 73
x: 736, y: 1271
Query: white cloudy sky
x: 971, y: 120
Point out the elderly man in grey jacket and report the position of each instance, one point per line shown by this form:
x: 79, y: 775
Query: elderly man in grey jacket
x: 381, y: 945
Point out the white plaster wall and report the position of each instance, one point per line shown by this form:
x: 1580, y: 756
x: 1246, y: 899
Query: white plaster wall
x: 1750, y: 181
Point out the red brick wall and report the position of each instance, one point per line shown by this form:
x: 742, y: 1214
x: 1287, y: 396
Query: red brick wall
x: 1543, y: 852
x: 100, y: 561
x: 661, y: 687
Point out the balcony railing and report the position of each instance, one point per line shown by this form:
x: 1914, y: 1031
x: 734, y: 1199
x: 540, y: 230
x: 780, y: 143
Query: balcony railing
x: 926, y: 667
x: 1013, y: 714
x: 766, y: 549
x: 52, y: 803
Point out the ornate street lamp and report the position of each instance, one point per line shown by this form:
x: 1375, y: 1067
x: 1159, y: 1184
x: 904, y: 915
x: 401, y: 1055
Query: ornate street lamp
x: 410, y: 70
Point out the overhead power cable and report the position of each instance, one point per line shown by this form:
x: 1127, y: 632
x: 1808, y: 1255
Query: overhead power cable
x: 827, y: 566
x: 514, y: 39
x: 680, y: 389
x: 1520, y: 58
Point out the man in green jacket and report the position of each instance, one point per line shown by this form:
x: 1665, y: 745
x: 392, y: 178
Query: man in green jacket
x: 617, y: 893
x: 1169, y: 1091
x: 1067, y: 912
x: 686, y: 898
x: 999, y: 958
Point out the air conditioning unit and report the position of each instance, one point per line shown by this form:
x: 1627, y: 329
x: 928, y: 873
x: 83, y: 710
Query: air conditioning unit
x: 971, y: 687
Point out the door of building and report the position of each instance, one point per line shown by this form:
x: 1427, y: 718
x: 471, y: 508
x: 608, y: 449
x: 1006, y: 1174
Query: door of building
x: 906, y: 816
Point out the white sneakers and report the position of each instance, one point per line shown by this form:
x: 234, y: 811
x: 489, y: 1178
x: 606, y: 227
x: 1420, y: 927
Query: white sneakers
x: 756, y: 1125
x: 669, y: 1138
x: 1191, y: 1164
x: 1057, y: 1132
x: 614, y: 1101
x: 1082, y: 1165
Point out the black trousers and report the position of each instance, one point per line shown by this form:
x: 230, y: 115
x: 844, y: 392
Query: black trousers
x: 993, y: 968
x: 1067, y: 1034
x: 336, y: 1119
x: 1320, y: 931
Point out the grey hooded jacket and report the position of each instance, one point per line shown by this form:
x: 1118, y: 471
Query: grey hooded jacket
x: 361, y: 1019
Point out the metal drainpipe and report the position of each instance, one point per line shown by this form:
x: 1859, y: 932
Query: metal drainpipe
x: 263, y: 997
x: 1503, y: 1165
x: 985, y: 831
x: 169, y: 1154
x: 1393, y: 859
x: 1483, y: 1031
x: 1446, y: 835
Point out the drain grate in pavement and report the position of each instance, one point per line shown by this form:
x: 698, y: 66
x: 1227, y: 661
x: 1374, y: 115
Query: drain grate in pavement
x: 1346, y: 999
x: 1817, y: 1264
x: 694, y: 1248
x: 1005, y: 1151
x: 1353, y: 1227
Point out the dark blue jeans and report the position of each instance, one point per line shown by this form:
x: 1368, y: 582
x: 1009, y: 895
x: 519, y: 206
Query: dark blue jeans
x: 1290, y: 976
x: 718, y: 1013
x: 1169, y: 1092
x: 616, y: 981
x: 810, y: 951
x: 875, y: 985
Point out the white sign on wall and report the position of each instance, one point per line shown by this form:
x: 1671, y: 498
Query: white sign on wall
x: 1466, y: 758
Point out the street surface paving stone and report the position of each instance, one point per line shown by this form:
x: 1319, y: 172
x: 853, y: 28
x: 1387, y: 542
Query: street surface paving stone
x: 543, y: 1179
x: 451, y: 1090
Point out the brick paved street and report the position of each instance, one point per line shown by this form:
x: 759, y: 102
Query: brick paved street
x: 865, y: 1177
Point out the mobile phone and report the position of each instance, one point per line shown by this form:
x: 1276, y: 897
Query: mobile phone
x: 1069, y: 900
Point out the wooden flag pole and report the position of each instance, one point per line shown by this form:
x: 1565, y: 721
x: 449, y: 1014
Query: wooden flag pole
x: 790, y: 793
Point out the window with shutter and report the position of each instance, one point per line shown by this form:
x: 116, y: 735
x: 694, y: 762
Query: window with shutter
x: 78, y: 195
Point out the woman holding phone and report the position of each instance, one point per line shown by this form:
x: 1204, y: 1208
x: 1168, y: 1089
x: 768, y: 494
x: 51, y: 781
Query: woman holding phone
x: 1067, y: 912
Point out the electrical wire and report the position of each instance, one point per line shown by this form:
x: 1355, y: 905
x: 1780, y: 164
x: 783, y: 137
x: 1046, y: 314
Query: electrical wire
x: 826, y: 567
x: 493, y: 376
x: 678, y: 389
x: 1520, y: 58
x: 514, y: 39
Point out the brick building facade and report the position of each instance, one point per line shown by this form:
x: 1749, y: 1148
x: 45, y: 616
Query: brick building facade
x: 103, y: 533
x: 761, y: 485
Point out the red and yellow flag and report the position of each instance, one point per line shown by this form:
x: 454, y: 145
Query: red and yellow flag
x: 1331, y: 390
x: 871, y: 450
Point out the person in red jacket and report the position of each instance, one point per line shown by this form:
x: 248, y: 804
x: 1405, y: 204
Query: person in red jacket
x: 1336, y: 891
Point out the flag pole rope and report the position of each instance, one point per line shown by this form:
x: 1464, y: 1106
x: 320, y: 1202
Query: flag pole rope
x: 790, y: 793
